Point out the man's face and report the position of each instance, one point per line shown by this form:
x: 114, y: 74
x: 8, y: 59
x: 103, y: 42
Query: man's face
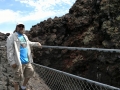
x: 20, y: 28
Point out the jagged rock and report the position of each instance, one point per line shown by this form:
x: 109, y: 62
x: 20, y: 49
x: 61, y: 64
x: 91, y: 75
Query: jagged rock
x: 89, y: 23
x: 3, y: 36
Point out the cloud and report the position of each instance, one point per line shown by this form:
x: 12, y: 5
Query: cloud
x: 8, y: 15
x: 42, y: 9
x: 46, y: 8
x: 45, y: 5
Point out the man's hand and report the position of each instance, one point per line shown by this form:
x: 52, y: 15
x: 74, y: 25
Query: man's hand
x: 40, y: 45
x: 14, y: 65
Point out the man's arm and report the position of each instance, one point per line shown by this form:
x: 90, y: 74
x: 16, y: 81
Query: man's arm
x: 10, y: 50
x: 33, y: 43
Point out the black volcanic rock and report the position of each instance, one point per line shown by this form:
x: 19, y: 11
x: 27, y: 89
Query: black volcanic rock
x: 89, y: 23
x: 4, y: 36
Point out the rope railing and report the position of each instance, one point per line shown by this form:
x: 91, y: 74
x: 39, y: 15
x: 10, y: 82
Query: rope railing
x: 59, y: 80
x: 68, y: 81
x: 82, y: 48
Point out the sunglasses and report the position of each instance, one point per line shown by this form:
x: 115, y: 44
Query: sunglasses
x: 21, y: 26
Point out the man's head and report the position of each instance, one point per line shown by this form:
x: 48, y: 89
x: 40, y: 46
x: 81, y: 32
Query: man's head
x: 20, y: 28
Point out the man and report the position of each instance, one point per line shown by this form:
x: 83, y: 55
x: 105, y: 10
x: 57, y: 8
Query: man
x: 19, y: 56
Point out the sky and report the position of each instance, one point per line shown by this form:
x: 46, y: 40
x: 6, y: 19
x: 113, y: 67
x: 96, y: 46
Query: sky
x: 30, y: 12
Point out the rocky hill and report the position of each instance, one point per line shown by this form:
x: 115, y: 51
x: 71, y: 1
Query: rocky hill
x: 3, y: 36
x: 89, y: 23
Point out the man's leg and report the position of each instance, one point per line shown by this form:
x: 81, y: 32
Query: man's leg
x: 16, y: 86
x: 17, y: 77
x: 25, y: 81
x: 28, y: 73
